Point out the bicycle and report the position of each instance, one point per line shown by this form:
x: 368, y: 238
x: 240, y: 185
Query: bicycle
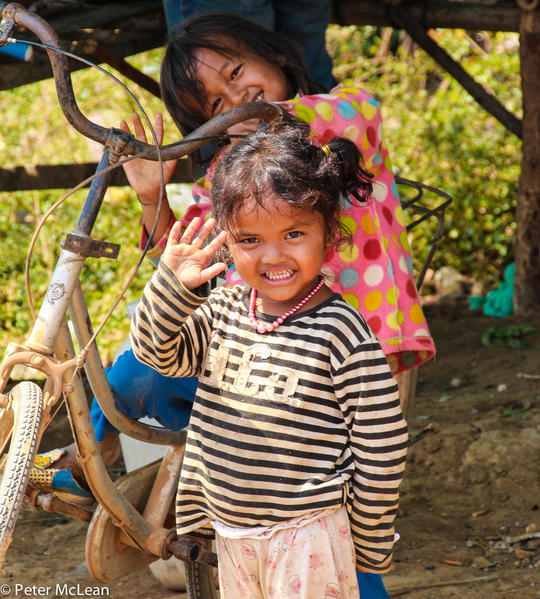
x: 133, y: 513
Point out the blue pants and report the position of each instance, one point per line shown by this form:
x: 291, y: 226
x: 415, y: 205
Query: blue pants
x: 304, y: 21
x: 142, y: 391
x: 371, y: 586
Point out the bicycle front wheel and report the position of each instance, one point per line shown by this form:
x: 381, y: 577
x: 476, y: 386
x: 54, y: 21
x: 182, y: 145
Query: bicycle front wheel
x: 26, y: 407
x: 202, y: 579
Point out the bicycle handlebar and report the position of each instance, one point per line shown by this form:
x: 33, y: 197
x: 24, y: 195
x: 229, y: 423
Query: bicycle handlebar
x: 14, y: 14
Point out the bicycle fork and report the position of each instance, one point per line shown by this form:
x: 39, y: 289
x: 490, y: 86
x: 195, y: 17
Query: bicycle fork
x: 50, y: 334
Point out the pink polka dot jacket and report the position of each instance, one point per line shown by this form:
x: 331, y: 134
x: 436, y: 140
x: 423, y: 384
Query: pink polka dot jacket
x: 374, y: 273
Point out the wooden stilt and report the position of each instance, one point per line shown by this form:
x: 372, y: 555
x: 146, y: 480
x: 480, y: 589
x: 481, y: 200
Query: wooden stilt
x: 407, y: 390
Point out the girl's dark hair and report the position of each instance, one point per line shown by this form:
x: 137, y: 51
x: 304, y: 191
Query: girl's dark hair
x: 224, y: 33
x: 280, y: 159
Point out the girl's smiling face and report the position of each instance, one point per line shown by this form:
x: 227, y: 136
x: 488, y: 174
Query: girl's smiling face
x: 241, y: 77
x: 279, y: 251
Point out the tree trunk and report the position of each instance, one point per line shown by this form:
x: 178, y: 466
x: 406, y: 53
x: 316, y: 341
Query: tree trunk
x: 527, y: 252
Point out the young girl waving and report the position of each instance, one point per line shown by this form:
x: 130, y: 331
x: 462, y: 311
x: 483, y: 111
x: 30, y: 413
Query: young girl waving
x: 296, y: 443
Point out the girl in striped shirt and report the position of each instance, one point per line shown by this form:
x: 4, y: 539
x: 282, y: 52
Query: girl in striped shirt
x: 296, y: 444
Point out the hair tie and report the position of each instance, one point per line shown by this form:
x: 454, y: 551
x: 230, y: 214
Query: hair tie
x: 326, y: 149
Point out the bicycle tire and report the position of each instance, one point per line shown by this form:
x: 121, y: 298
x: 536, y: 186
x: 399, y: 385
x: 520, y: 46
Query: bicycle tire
x: 198, y: 581
x: 27, y: 409
x: 201, y: 579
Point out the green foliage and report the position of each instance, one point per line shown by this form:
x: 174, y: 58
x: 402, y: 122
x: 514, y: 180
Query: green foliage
x: 439, y: 135
x: 102, y: 278
x: 435, y: 131
x: 34, y: 131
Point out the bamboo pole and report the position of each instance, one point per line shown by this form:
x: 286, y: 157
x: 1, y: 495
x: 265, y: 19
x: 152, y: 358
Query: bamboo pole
x: 407, y: 21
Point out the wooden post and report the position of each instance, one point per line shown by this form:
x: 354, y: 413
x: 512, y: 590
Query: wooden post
x: 527, y: 250
x: 407, y: 390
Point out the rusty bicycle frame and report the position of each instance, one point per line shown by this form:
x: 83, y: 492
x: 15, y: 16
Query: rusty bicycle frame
x: 50, y: 349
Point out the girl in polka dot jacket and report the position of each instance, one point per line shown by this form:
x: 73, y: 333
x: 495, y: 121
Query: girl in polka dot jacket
x: 218, y: 61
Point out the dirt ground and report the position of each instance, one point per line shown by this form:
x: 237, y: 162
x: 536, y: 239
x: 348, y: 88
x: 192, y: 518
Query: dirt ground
x: 470, y: 501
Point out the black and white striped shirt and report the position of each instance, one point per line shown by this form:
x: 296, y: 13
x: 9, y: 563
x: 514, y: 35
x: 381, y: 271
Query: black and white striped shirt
x: 284, y: 424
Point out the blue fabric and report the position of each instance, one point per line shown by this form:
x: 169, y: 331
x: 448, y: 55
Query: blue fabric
x: 142, y: 391
x: 304, y: 21
x: 63, y: 481
x: 499, y: 302
x: 371, y: 586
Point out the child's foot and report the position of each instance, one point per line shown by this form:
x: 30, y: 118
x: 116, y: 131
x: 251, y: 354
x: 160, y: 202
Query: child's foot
x: 60, y: 472
x: 109, y: 448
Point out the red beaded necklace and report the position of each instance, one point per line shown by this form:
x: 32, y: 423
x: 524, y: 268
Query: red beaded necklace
x: 270, y: 326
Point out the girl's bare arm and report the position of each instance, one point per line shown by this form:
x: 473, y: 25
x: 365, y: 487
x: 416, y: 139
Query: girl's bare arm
x: 145, y: 178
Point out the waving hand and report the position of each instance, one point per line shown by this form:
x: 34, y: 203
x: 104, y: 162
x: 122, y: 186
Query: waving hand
x: 188, y: 256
